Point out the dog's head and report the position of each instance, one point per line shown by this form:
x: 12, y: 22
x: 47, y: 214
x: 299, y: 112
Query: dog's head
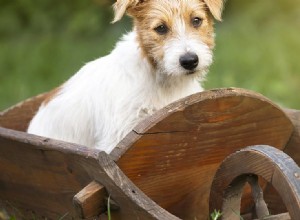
x: 176, y: 36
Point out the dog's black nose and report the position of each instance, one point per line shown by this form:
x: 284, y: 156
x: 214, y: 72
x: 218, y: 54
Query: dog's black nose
x: 189, y: 61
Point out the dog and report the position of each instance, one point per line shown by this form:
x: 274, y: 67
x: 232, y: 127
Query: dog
x: 164, y: 58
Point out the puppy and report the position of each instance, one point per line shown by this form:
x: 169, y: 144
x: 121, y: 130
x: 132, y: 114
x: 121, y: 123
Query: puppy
x: 163, y: 59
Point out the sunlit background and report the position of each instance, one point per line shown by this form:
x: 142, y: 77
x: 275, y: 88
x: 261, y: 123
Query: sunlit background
x: 43, y: 43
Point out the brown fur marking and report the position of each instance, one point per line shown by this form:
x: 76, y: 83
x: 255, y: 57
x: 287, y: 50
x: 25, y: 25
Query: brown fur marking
x: 150, y: 14
x: 51, y: 95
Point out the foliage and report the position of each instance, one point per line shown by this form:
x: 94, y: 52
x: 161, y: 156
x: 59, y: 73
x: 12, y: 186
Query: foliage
x: 79, y: 18
x: 108, y: 208
x: 215, y: 215
x: 257, y: 48
x: 44, y: 42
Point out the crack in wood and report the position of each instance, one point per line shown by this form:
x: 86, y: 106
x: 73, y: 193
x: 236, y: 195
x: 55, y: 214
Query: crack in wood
x: 157, y: 132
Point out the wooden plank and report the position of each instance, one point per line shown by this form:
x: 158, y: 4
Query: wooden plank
x: 18, y: 117
x: 182, y: 145
x: 39, y: 177
x: 273, y: 165
x: 293, y: 146
x: 90, y: 201
x: 283, y: 216
x: 261, y: 208
x: 192, y: 135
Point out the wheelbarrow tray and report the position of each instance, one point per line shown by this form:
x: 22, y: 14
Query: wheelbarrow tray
x: 163, y: 169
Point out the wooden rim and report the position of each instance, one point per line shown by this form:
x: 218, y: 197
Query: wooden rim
x: 146, y: 126
x: 273, y: 165
x: 181, y: 146
x: 48, y: 173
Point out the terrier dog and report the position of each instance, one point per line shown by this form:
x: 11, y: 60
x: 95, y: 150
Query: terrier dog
x: 163, y: 59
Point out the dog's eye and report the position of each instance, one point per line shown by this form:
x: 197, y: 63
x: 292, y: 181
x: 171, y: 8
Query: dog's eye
x: 161, y: 29
x: 197, y: 22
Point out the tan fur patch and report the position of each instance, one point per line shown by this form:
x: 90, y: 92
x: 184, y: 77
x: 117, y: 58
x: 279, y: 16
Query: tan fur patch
x: 51, y: 95
x: 215, y: 7
x: 150, y: 14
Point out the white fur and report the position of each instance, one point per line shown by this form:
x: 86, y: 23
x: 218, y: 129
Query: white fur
x: 102, y: 102
x: 185, y: 42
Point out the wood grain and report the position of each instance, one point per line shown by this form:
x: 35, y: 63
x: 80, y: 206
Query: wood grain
x: 181, y: 146
x: 39, y: 177
x: 293, y: 146
x: 18, y: 116
x: 283, y: 216
x: 272, y: 164
x: 90, y: 201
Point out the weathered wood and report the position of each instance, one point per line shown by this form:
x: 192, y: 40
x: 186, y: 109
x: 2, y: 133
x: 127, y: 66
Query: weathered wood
x: 258, y: 197
x: 44, y: 175
x: 18, y: 117
x: 90, y: 201
x: 283, y: 216
x: 232, y: 199
x: 293, y: 146
x: 273, y: 165
x: 182, y: 145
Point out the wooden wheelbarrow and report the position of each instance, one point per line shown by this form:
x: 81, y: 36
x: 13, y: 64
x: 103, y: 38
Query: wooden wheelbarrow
x: 163, y: 169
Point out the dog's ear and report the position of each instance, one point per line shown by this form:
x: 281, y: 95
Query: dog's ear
x: 121, y: 6
x: 215, y: 7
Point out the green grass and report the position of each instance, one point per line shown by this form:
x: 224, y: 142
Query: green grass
x: 215, y: 215
x: 258, y: 46
x: 258, y: 49
x: 108, y: 209
x: 32, y: 64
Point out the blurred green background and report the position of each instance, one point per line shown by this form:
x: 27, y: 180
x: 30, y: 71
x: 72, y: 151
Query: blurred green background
x: 43, y: 43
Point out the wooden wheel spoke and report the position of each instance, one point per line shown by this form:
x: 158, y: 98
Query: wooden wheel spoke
x: 272, y: 165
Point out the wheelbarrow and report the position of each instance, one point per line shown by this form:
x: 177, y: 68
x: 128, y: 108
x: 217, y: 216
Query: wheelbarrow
x: 186, y: 161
